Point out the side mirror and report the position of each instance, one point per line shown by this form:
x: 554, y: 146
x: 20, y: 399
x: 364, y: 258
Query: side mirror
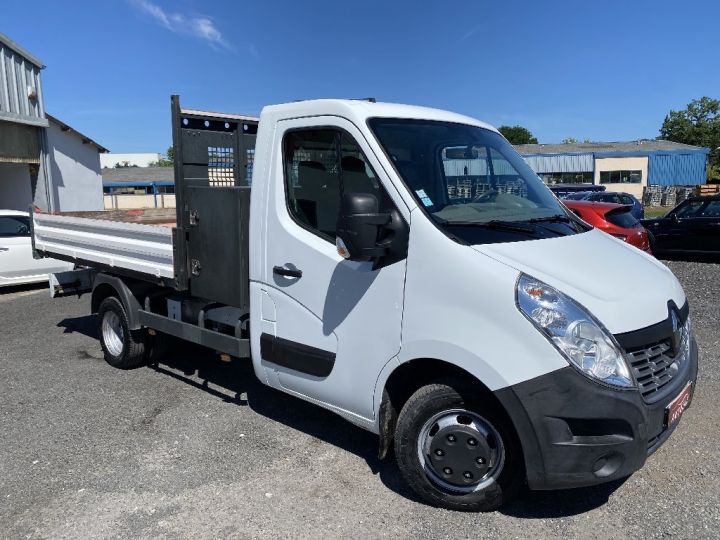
x: 358, y: 227
x: 674, y: 217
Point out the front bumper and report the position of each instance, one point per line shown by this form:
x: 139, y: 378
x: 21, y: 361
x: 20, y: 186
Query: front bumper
x: 575, y: 432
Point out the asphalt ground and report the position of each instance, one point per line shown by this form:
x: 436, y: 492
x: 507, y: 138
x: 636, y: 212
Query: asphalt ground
x: 195, y: 447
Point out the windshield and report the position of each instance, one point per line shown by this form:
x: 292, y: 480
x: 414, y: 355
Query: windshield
x: 467, y: 176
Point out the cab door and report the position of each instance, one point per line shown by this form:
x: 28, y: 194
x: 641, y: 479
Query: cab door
x: 705, y: 227
x: 672, y: 232
x: 16, y: 259
x: 336, y: 322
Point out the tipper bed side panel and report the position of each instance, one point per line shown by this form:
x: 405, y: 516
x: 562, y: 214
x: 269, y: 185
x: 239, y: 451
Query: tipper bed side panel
x: 122, y: 245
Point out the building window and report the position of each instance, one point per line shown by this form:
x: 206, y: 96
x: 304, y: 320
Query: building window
x: 567, y: 178
x: 620, y: 177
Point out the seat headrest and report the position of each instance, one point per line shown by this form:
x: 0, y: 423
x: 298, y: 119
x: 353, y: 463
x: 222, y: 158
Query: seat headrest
x: 352, y: 164
x: 311, y: 173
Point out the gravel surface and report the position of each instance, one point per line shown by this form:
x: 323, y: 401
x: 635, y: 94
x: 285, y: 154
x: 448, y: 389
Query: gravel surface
x: 198, y: 448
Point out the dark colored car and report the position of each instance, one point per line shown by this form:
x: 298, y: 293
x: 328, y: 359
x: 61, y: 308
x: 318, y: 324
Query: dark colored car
x: 614, y: 219
x: 577, y: 196
x: 562, y: 190
x: 693, y: 226
x: 610, y: 197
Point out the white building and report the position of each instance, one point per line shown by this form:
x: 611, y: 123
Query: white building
x: 75, y: 168
x: 43, y: 161
x: 142, y: 159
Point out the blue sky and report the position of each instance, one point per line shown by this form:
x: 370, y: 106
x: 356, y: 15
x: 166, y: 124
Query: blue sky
x: 598, y: 70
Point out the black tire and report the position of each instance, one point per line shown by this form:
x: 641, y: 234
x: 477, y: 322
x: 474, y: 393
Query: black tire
x: 133, y: 349
x: 488, y: 492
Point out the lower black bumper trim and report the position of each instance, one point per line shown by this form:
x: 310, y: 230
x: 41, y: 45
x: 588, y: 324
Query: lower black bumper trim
x: 575, y: 432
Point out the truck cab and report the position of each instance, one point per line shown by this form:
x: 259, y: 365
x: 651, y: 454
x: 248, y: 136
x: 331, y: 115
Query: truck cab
x: 406, y: 269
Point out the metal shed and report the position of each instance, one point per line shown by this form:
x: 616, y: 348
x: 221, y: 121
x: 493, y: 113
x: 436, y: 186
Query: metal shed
x: 23, y: 159
x: 43, y: 161
x: 21, y: 99
x: 666, y: 163
x: 560, y: 163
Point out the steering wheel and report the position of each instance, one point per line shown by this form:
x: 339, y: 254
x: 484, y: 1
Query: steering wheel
x: 485, y: 195
x: 23, y: 230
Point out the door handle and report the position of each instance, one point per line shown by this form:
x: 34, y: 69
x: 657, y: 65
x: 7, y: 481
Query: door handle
x: 4, y: 249
x: 287, y: 272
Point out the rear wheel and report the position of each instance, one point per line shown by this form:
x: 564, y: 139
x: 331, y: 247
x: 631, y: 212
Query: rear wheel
x: 457, y: 453
x: 123, y: 348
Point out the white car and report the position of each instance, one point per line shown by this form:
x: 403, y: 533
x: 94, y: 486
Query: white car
x: 17, y: 265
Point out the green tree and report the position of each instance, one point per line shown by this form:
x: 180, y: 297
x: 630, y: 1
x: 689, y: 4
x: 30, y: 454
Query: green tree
x: 698, y: 124
x: 124, y: 165
x: 517, y: 135
x: 569, y: 140
x: 166, y: 161
x: 713, y: 173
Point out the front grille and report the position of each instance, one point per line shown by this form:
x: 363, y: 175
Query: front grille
x: 654, y: 367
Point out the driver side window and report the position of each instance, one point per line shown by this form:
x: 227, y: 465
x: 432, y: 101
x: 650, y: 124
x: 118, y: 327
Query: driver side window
x: 712, y: 210
x: 321, y: 164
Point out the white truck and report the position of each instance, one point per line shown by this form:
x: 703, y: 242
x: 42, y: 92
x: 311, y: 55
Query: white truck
x: 406, y: 269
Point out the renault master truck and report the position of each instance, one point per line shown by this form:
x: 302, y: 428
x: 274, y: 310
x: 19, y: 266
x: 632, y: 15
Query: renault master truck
x: 405, y: 268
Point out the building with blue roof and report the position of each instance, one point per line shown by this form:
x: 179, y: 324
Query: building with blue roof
x: 139, y: 187
x: 619, y: 166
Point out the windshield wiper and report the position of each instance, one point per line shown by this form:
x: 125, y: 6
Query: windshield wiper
x: 494, y: 224
x: 558, y: 218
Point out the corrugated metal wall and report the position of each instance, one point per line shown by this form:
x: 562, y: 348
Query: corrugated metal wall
x: 18, y: 78
x: 561, y: 163
x: 476, y: 167
x: 677, y: 169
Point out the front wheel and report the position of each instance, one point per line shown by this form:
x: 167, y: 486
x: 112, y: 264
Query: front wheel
x: 457, y: 453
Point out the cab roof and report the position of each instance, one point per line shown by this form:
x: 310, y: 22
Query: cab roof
x: 359, y: 111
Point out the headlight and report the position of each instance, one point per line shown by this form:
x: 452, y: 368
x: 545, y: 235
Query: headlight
x: 574, y: 332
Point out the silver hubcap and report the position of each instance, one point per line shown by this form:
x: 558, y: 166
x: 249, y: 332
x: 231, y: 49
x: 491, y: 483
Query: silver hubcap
x: 460, y: 451
x: 112, y: 333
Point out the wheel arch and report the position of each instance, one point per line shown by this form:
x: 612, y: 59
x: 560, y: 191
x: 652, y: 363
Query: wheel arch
x: 105, y: 286
x: 407, y: 377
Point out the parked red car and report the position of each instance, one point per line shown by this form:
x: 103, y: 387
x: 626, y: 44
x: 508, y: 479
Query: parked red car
x: 615, y: 219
